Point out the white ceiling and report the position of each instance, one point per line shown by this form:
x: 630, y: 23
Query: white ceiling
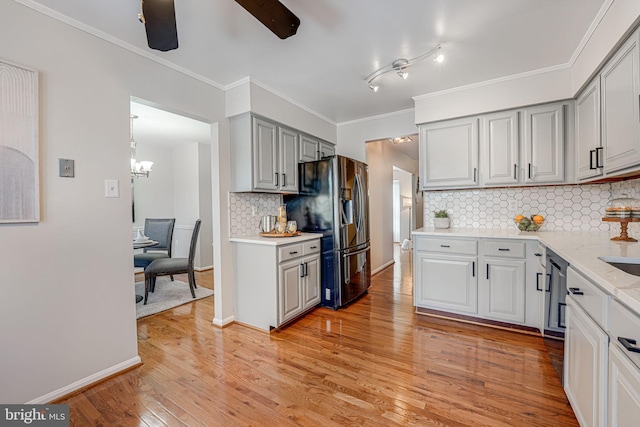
x: 339, y: 43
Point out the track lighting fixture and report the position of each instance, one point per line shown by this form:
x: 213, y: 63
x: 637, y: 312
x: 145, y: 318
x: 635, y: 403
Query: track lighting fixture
x: 400, y: 66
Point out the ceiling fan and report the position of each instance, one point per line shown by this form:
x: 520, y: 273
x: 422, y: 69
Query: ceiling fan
x: 159, y: 19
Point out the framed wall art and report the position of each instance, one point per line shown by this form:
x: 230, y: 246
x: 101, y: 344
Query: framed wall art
x: 19, y: 165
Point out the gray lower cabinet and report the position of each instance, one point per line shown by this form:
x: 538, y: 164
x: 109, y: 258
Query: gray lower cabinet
x: 488, y: 278
x: 275, y: 283
x: 299, y: 286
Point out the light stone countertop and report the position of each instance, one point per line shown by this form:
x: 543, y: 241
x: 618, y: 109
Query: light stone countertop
x: 275, y: 241
x: 580, y: 249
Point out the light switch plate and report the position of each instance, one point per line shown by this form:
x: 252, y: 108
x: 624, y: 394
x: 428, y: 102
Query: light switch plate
x: 111, y: 188
x: 66, y: 168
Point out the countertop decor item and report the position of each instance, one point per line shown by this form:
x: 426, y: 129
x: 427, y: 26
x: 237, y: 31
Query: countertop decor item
x: 285, y: 234
x: 623, y: 207
x: 441, y: 219
x: 624, y: 223
x: 532, y: 223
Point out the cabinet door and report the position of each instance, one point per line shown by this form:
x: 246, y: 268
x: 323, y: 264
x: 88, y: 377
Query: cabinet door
x: 501, y: 291
x: 449, y: 154
x: 288, y: 160
x: 588, y: 148
x: 624, y: 390
x: 311, y: 282
x: 499, y: 148
x: 265, y: 155
x: 289, y: 290
x: 585, y: 367
x: 326, y: 150
x: 544, y: 136
x: 309, y: 148
x: 446, y: 283
x: 620, y: 81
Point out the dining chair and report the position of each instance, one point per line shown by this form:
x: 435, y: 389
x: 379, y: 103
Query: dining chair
x: 171, y: 266
x: 161, y: 231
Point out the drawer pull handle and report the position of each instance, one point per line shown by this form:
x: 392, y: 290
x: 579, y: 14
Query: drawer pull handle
x: 576, y: 291
x: 504, y: 249
x: 538, y: 254
x: 629, y: 344
x: 313, y: 247
x: 293, y: 252
x: 445, y: 246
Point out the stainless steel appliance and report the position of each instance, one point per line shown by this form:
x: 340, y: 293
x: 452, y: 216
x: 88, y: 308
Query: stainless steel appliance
x: 333, y: 200
x: 556, y: 291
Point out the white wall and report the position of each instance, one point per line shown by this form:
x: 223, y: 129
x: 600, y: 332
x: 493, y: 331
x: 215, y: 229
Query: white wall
x: 381, y: 157
x: 68, y: 297
x: 404, y: 178
x: 353, y: 135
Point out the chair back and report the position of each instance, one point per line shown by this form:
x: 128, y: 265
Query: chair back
x: 160, y: 230
x: 194, y: 240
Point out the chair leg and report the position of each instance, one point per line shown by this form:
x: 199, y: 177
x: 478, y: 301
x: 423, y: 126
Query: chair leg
x: 147, y: 284
x: 192, y: 283
x: 152, y: 284
x: 171, y: 276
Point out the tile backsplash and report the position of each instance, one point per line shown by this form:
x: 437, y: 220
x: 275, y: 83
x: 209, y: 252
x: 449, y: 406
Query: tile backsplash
x: 565, y: 207
x: 242, y: 221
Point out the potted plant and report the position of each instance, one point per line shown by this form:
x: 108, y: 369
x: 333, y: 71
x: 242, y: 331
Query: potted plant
x: 441, y: 219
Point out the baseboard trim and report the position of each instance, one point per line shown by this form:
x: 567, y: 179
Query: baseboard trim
x: 201, y: 269
x: 87, y: 382
x: 223, y: 323
x: 382, y: 267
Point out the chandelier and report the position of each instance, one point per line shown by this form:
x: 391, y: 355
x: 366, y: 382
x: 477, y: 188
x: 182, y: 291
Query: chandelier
x: 141, y: 168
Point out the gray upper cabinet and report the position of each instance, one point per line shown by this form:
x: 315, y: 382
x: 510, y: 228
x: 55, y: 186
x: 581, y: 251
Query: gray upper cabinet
x: 287, y: 179
x: 326, y: 149
x: 620, y: 80
x: 309, y: 147
x: 449, y: 154
x: 314, y: 149
x: 544, y: 143
x: 499, y: 148
x: 588, y: 142
x: 264, y: 156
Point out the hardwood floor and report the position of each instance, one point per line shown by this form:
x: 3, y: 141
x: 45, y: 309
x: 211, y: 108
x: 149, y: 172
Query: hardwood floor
x: 372, y: 363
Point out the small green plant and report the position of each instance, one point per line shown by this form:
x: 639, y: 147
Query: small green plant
x: 442, y: 214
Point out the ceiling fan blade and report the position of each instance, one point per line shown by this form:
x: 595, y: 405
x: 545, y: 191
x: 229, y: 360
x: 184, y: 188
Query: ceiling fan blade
x: 274, y: 15
x: 160, y: 23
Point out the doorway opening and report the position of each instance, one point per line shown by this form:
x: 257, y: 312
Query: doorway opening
x: 179, y: 186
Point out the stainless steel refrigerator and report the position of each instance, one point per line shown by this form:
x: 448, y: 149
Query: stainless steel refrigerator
x: 333, y: 200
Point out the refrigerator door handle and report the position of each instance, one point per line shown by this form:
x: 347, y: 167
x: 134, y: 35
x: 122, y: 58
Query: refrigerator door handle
x: 361, y: 251
x: 360, y: 213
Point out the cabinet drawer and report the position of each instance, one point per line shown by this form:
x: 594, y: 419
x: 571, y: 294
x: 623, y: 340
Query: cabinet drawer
x: 625, y: 324
x: 311, y: 247
x: 502, y: 248
x: 593, y: 300
x: 457, y: 246
x: 288, y: 252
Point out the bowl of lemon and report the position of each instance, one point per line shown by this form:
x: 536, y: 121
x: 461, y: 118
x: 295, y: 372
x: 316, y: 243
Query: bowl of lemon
x: 532, y: 223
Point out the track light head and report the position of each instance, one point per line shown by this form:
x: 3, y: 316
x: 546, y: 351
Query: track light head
x: 374, y: 87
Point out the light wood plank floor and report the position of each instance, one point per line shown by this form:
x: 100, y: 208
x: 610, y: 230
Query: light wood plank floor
x: 374, y: 363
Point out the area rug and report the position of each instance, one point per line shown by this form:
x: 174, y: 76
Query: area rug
x: 167, y: 295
